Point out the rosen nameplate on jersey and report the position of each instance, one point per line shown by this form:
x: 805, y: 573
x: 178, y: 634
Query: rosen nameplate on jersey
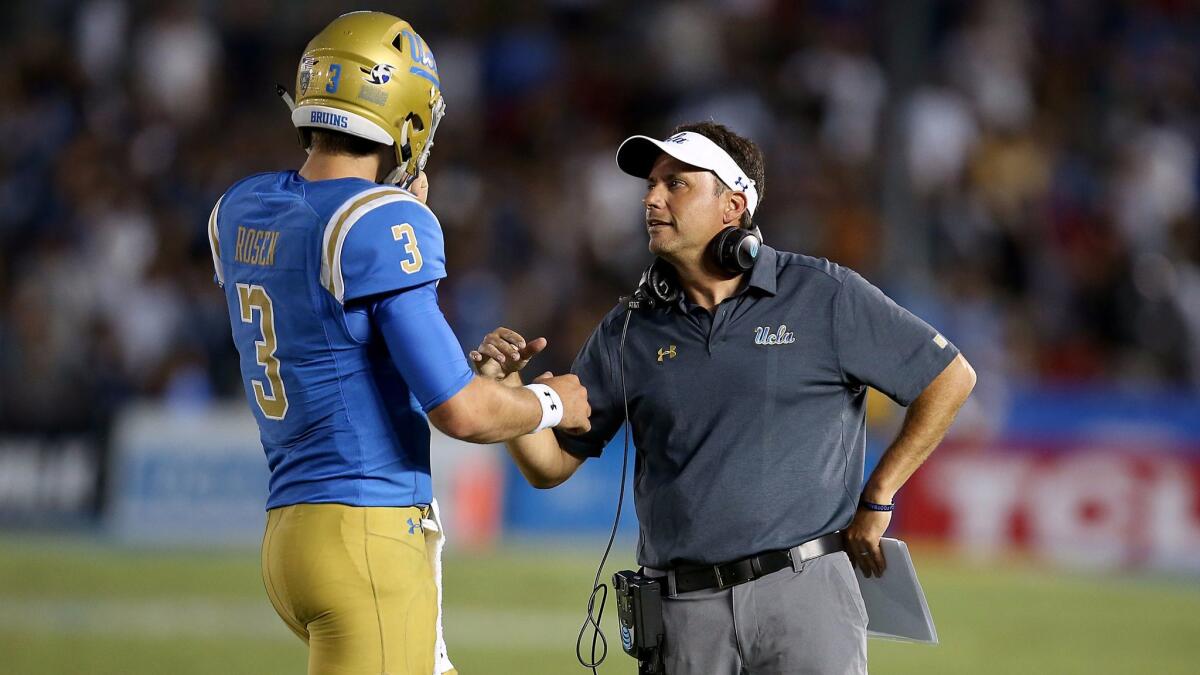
x: 256, y: 247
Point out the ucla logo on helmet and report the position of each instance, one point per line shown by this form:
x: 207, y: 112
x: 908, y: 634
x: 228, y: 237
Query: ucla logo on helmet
x: 380, y: 74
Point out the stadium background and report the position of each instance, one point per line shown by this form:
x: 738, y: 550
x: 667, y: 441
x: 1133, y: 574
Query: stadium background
x: 1024, y: 175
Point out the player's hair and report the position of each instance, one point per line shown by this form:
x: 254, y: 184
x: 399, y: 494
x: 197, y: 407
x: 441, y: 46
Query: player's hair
x: 338, y: 143
x: 741, y: 149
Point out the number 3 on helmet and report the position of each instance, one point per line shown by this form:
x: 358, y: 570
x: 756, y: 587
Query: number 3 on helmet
x: 369, y: 74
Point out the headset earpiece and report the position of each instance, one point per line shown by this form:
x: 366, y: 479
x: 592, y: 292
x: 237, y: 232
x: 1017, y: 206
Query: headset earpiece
x: 735, y: 248
x: 658, y: 287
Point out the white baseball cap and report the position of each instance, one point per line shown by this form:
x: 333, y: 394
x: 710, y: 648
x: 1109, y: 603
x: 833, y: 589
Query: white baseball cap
x: 637, y: 155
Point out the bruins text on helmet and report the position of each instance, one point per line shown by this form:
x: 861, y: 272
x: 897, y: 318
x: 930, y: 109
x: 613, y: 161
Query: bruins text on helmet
x: 369, y: 74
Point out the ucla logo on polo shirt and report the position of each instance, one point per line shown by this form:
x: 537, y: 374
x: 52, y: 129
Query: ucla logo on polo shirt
x: 781, y: 336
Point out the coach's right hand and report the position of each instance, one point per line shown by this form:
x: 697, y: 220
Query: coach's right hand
x: 576, y: 410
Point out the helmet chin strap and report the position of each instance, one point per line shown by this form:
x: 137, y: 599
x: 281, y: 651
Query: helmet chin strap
x: 398, y: 176
x: 283, y: 94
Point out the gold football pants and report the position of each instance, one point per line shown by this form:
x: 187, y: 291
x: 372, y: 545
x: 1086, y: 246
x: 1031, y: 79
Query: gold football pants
x: 355, y: 584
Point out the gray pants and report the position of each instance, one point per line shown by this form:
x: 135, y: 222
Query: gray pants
x: 806, y: 621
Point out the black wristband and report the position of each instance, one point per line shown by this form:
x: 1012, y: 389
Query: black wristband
x: 872, y: 506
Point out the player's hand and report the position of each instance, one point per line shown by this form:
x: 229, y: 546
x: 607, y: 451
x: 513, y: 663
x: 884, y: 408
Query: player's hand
x: 504, y: 352
x: 862, y: 541
x: 576, y: 411
x: 420, y: 187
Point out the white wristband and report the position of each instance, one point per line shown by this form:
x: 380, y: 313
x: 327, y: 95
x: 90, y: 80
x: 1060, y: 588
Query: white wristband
x: 552, y: 407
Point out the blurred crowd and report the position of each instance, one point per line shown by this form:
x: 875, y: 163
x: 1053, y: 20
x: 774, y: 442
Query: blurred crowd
x: 1021, y: 174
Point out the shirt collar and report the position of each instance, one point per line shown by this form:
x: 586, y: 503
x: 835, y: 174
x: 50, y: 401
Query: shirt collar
x: 763, y: 276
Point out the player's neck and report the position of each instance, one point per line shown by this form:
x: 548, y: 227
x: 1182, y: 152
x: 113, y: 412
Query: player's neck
x: 704, y: 285
x: 328, y: 166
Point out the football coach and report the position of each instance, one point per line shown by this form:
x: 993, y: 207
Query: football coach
x: 746, y: 372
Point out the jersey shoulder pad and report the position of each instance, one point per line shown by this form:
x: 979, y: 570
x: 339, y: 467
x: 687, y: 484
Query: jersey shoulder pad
x: 214, y: 242
x: 382, y: 239
x: 226, y: 202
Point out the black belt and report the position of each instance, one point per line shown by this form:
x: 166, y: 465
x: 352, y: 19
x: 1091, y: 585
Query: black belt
x: 686, y: 578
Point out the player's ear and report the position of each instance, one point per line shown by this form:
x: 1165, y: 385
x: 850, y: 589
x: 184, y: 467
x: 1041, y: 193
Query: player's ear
x: 735, y: 206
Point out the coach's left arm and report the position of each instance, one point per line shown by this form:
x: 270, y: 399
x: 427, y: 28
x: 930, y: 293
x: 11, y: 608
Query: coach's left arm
x: 925, y: 424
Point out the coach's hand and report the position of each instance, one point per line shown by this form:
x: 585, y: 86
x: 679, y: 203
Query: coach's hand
x: 576, y: 410
x: 504, y: 352
x: 862, y: 541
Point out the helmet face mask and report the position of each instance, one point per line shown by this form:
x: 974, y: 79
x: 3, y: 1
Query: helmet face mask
x: 369, y: 74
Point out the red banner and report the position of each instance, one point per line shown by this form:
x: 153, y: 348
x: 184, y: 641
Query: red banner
x: 1093, y: 506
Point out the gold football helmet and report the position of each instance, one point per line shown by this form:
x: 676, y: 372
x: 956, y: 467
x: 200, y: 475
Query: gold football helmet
x: 369, y: 74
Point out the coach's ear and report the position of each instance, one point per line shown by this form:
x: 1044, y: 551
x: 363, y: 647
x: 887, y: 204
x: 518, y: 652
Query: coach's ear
x: 735, y: 206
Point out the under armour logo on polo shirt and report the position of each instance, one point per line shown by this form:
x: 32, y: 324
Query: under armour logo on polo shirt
x: 669, y: 353
x: 553, y: 405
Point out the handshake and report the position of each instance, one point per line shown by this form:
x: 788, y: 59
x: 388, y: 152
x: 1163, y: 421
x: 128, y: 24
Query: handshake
x: 501, y: 356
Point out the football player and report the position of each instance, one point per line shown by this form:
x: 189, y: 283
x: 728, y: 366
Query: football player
x: 331, y: 274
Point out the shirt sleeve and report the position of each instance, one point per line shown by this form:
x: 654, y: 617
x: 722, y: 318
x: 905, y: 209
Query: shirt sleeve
x: 596, y: 369
x: 881, y: 344
x: 398, y: 244
x: 422, y: 344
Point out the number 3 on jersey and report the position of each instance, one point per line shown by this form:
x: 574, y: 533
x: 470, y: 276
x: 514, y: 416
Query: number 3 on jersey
x: 274, y: 405
x: 405, y: 233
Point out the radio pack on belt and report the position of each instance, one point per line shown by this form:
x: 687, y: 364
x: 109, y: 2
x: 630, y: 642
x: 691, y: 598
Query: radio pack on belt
x: 639, y: 611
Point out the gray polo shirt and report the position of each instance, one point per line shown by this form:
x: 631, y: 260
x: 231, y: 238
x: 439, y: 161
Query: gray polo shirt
x: 749, y: 421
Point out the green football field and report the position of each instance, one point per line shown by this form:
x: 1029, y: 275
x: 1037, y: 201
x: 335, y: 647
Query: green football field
x: 83, y: 607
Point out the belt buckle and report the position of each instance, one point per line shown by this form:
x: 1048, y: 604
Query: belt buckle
x: 720, y: 581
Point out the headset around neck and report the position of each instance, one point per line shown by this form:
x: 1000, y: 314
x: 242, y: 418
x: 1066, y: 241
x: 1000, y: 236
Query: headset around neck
x: 734, y: 249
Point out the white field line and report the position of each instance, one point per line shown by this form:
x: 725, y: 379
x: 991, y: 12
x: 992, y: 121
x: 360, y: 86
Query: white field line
x: 203, y: 618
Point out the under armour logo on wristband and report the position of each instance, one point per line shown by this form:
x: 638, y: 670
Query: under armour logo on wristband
x: 553, y: 405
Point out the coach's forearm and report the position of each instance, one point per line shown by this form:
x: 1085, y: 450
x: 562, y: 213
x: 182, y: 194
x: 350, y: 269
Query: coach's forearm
x: 542, y: 461
x: 486, y: 411
x: 925, y: 424
x: 539, y: 457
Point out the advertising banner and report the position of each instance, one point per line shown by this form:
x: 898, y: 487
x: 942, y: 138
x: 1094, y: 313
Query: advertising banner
x: 1086, y: 505
x: 49, y: 479
x: 200, y: 478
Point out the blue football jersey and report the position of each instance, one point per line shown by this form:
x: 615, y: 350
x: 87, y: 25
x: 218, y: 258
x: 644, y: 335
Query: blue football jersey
x: 299, y: 262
